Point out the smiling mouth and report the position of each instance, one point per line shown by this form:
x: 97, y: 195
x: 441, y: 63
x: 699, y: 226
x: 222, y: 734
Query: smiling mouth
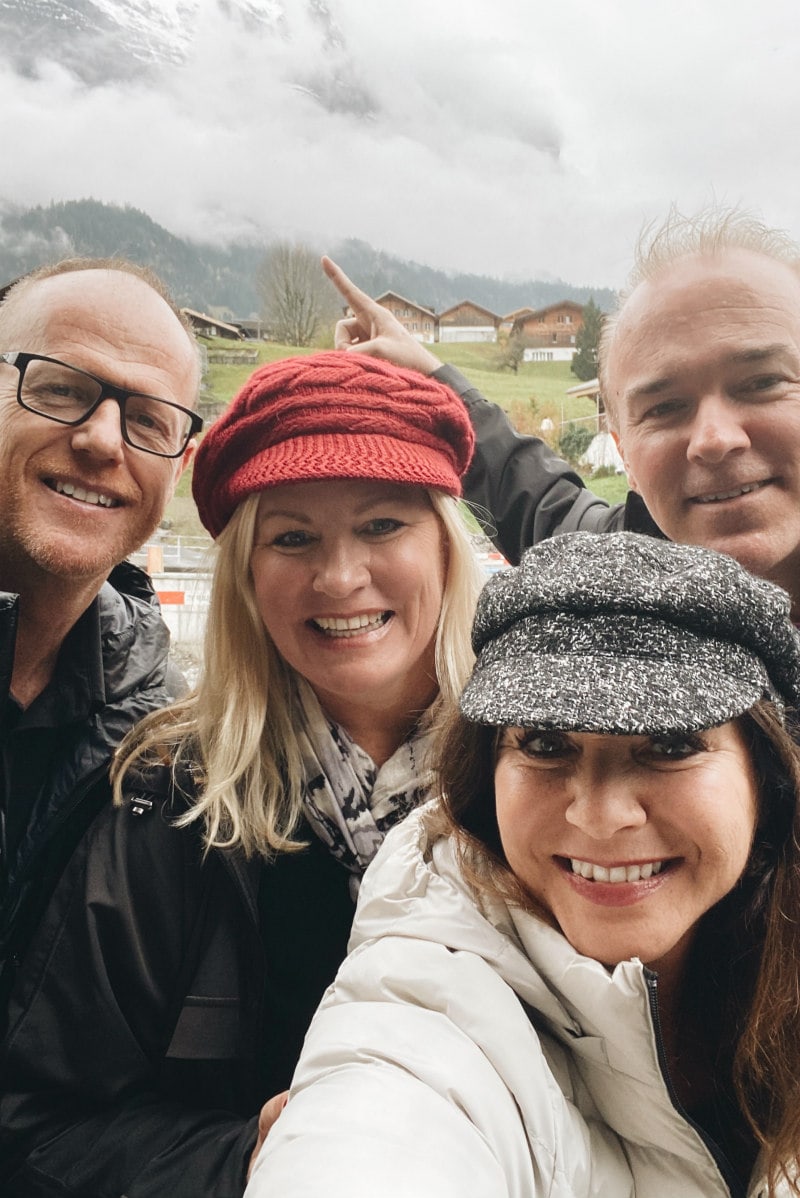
x: 349, y: 626
x: 734, y: 493
x: 615, y: 873
x: 95, y: 498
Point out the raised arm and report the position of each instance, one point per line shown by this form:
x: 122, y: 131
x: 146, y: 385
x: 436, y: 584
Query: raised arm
x: 521, y: 490
x: 374, y: 330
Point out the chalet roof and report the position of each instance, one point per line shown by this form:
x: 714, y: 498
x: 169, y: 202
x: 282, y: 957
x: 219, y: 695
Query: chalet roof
x: 592, y: 387
x: 192, y: 314
x: 565, y: 303
x: 518, y: 313
x: 411, y: 303
x: 469, y: 303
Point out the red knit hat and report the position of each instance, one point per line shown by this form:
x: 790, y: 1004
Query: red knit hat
x: 330, y: 415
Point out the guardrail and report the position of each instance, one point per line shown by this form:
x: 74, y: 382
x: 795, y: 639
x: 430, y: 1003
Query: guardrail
x: 233, y: 357
x: 175, y: 553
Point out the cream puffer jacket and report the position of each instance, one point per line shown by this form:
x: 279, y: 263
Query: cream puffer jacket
x: 472, y: 1053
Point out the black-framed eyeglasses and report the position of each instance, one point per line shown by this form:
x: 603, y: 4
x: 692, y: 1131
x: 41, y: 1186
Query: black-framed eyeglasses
x: 68, y: 395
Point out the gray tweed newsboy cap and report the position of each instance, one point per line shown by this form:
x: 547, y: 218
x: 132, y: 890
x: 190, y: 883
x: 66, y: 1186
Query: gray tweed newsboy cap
x: 623, y: 633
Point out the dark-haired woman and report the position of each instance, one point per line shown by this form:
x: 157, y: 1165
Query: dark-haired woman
x: 579, y: 975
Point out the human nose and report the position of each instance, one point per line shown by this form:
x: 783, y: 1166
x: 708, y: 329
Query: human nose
x: 101, y: 435
x: 341, y: 569
x: 716, y: 431
x: 602, y: 806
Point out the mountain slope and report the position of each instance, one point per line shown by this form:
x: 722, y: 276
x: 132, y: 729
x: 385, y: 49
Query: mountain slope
x: 204, y: 276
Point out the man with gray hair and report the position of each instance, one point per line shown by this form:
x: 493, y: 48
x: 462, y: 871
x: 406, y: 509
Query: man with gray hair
x: 99, y: 379
x: 700, y: 373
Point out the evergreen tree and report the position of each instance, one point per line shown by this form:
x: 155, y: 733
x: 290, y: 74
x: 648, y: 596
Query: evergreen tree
x: 584, y: 364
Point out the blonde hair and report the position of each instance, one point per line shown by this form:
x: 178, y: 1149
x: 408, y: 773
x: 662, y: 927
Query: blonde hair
x: 236, y: 733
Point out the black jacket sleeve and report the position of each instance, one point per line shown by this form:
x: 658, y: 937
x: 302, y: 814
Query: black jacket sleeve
x: 87, y: 1107
x: 519, y: 488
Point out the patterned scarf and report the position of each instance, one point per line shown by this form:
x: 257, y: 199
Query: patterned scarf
x: 350, y: 803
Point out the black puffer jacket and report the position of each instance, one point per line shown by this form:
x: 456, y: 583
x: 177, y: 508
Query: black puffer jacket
x: 164, y: 998
x: 523, y: 491
x: 129, y: 677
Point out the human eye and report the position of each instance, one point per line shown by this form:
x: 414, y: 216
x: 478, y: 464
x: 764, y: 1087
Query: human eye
x: 143, y: 417
x: 766, y: 385
x: 291, y: 539
x: 53, y: 390
x: 543, y: 744
x: 664, y: 410
x: 381, y: 526
x: 152, y: 421
x: 672, y: 748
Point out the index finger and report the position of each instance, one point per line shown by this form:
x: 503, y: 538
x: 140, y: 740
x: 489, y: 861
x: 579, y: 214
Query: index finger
x: 355, y: 297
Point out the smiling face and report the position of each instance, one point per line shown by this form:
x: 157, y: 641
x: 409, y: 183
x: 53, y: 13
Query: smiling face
x: 626, y: 840
x: 76, y: 501
x: 349, y: 579
x: 704, y: 380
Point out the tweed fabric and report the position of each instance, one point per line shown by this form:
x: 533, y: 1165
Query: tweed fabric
x: 626, y: 634
x: 332, y: 415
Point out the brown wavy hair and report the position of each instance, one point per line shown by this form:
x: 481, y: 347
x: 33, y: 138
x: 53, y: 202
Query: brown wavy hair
x: 747, y: 948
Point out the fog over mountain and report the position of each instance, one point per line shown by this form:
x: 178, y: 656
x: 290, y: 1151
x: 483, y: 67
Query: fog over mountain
x: 205, y: 276
x: 517, y: 141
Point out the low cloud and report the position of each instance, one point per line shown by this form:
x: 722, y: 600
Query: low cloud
x: 509, y: 141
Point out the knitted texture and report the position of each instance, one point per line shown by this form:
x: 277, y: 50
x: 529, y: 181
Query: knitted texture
x: 628, y: 634
x: 332, y: 415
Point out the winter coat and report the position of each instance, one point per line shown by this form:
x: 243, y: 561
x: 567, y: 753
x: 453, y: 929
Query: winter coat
x: 528, y: 492
x: 163, y: 1000
x: 126, y: 675
x: 466, y: 1050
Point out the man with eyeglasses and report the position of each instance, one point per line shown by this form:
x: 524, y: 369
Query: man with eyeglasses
x: 99, y: 379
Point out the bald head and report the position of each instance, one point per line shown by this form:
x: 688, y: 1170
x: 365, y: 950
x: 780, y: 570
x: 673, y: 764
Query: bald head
x: 116, y: 311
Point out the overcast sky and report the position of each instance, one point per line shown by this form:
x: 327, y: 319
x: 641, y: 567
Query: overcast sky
x: 516, y: 138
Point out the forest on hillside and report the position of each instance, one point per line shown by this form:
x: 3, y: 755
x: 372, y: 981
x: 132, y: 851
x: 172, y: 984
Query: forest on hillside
x: 205, y: 276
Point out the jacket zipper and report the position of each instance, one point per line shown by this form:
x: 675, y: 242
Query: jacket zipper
x: 730, y: 1178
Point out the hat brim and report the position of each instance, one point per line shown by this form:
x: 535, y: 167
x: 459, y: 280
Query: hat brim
x: 632, y: 696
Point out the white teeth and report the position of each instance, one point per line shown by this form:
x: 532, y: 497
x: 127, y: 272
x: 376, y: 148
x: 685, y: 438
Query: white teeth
x: 93, y: 497
x: 615, y: 873
x: 745, y: 490
x: 341, y: 626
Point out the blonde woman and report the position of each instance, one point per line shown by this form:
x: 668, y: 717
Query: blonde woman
x: 200, y: 922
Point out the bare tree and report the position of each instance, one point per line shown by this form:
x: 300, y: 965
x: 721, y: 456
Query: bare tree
x: 510, y: 352
x: 297, y: 300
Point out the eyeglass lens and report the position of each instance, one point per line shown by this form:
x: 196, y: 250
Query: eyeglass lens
x: 64, y: 394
